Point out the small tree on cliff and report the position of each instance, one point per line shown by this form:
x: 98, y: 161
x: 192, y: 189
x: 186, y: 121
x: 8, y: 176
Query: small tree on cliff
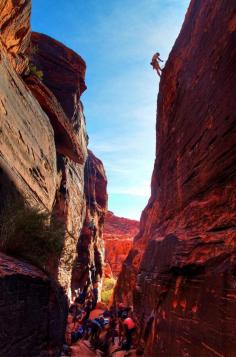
x: 30, y: 234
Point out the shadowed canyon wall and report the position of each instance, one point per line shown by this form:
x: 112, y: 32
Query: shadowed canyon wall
x: 118, y: 237
x: 181, y: 271
x: 32, y: 310
x: 90, y: 248
x: 44, y: 158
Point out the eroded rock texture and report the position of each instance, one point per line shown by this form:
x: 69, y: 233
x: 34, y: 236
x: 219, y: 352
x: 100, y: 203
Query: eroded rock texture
x: 33, y: 311
x: 59, y: 96
x: 182, y: 267
x: 28, y: 158
x: 64, y: 72
x: 90, y: 249
x: 69, y: 142
x: 43, y: 151
x: 118, y: 237
x: 15, y: 31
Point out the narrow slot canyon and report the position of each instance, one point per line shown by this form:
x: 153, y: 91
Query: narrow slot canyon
x: 76, y: 278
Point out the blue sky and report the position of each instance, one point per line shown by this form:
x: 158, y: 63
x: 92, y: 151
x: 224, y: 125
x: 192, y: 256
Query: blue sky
x: 117, y: 39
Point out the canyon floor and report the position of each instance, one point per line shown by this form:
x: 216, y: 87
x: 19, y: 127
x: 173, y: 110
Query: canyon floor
x: 83, y: 348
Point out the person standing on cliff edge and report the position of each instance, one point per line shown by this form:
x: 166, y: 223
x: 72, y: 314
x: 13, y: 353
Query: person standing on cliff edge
x: 155, y: 63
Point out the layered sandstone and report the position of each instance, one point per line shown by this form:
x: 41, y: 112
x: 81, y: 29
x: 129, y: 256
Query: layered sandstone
x: 15, y: 31
x: 182, y: 265
x: 64, y: 72
x: 27, y: 158
x: 59, y: 95
x: 33, y: 311
x: 118, y: 236
x: 68, y: 141
x: 44, y: 159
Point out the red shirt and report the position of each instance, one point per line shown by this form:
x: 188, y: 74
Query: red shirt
x: 129, y: 323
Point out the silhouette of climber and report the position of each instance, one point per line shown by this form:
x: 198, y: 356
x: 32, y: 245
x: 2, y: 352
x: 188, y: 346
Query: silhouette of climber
x: 155, y: 63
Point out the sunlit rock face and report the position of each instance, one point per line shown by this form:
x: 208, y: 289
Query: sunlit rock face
x: 44, y: 159
x: 64, y: 72
x: 32, y: 308
x: 28, y: 159
x: 118, y: 237
x: 59, y: 96
x: 15, y: 31
x: 69, y: 142
x: 182, y: 266
x: 90, y: 249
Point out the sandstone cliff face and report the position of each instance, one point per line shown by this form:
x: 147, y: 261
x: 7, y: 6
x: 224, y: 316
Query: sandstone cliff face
x: 59, y: 95
x: 90, y: 248
x: 43, y: 156
x: 64, y: 72
x: 27, y: 158
x: 182, y: 264
x: 31, y: 305
x: 15, y: 31
x: 118, y: 237
x: 68, y: 142
x: 32, y: 310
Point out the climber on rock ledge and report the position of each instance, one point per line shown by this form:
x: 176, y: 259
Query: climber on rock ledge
x: 155, y: 64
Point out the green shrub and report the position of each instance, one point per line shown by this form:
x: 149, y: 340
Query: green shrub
x: 107, y: 289
x: 33, y: 70
x: 31, y: 234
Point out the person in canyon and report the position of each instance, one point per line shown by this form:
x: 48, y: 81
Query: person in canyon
x: 87, y: 309
x: 112, y: 333
x: 129, y: 327
x: 95, y: 295
x: 75, y: 311
x: 92, y: 228
x: 97, y: 326
x: 80, y: 299
x: 155, y: 63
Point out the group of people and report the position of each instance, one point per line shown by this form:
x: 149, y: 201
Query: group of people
x: 113, y: 327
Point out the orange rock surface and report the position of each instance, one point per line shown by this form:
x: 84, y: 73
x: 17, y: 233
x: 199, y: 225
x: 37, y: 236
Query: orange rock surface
x: 15, y: 31
x: 27, y: 158
x: 119, y: 233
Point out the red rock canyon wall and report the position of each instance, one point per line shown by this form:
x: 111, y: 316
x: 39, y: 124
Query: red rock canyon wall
x: 43, y: 156
x: 118, y: 237
x: 181, y: 271
x: 90, y: 248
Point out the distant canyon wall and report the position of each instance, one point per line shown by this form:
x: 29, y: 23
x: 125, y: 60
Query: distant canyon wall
x: 181, y: 271
x: 118, y: 235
